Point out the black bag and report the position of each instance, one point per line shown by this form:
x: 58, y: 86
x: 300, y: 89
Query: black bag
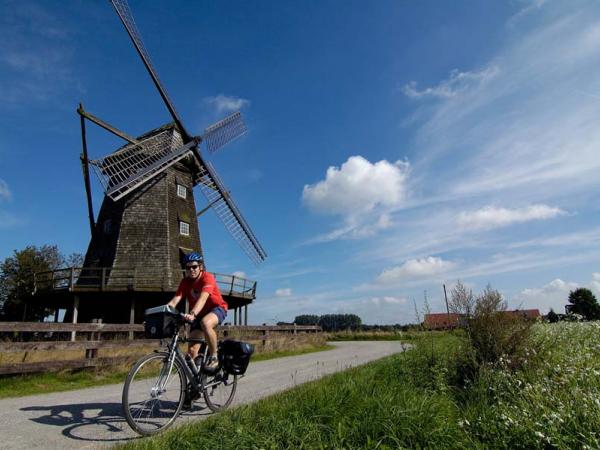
x: 160, y: 322
x: 236, y: 356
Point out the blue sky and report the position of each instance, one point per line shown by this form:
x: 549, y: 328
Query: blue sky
x: 393, y: 146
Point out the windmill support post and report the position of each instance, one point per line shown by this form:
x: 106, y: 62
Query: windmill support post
x: 86, y: 172
x: 75, y: 312
x: 246, y: 315
x: 132, y: 317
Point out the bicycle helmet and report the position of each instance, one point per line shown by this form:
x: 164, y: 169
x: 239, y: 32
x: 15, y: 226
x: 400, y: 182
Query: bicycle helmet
x: 194, y: 257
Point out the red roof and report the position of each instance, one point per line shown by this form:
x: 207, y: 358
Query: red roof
x: 437, y: 321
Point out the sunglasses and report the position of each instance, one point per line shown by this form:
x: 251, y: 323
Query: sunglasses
x: 192, y: 267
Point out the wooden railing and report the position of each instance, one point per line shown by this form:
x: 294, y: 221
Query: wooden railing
x: 128, y: 279
x: 94, y: 337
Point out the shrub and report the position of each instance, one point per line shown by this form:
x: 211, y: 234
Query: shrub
x: 493, y: 334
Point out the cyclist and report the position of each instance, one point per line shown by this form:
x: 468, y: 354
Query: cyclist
x: 207, y: 309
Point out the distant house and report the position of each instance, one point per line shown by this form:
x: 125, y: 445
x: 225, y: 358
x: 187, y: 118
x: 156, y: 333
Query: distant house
x: 442, y: 321
x: 445, y: 321
x: 532, y: 314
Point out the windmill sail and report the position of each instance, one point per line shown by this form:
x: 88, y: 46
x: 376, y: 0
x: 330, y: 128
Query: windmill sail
x: 135, y: 164
x: 122, y: 177
x: 224, y: 131
x: 124, y: 12
x: 225, y: 208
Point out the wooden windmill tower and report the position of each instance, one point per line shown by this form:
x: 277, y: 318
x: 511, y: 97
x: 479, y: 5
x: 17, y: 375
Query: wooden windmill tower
x: 148, y: 218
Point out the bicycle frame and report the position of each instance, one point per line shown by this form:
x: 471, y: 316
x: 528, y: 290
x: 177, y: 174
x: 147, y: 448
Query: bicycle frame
x: 176, y: 353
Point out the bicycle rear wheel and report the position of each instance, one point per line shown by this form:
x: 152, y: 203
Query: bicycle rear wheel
x: 153, y: 393
x: 219, y: 389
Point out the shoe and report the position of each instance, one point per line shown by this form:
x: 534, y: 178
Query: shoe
x: 212, y: 364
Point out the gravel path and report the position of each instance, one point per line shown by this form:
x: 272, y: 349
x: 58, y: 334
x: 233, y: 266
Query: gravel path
x: 92, y: 418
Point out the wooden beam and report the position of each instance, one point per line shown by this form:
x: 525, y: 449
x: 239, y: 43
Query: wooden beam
x: 16, y: 347
x: 46, y: 366
x: 85, y: 167
x: 106, y: 126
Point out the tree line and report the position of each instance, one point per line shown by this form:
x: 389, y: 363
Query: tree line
x: 331, y: 322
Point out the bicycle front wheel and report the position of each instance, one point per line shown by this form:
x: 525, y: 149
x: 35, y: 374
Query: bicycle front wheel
x: 153, y: 393
x: 219, y: 389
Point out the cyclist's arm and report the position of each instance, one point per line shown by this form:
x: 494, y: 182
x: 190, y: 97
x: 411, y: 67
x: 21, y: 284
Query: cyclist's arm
x: 176, y: 299
x: 200, y: 304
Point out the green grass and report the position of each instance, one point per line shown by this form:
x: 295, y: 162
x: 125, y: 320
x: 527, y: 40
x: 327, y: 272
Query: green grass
x: 21, y: 385
x: 413, y: 400
x: 378, y: 335
x: 381, y: 405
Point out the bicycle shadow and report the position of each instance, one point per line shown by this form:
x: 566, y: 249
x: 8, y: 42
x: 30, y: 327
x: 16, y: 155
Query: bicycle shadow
x: 100, y: 422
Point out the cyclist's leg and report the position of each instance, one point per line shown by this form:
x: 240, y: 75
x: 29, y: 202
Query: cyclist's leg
x: 209, y: 323
x: 195, y: 333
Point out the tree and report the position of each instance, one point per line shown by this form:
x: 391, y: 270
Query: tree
x: 306, y: 319
x: 582, y: 301
x: 16, y: 280
x: 552, y: 316
x: 337, y: 322
x: 462, y: 300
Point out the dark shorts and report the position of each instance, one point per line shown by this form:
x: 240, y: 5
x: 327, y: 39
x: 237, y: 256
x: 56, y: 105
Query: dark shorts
x: 218, y: 311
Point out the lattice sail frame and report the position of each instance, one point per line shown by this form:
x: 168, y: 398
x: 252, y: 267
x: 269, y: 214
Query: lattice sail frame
x: 135, y: 164
x: 216, y: 136
x: 224, y: 131
x: 223, y: 205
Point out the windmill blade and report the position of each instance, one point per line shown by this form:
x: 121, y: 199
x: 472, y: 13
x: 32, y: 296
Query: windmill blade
x: 128, y: 168
x: 225, y: 208
x: 124, y: 12
x: 224, y: 131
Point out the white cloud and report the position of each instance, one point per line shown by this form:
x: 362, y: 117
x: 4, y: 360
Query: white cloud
x: 225, y: 103
x: 358, y: 186
x: 386, y: 300
x: 355, y: 227
x: 5, y: 193
x: 239, y: 274
x: 553, y: 295
x: 595, y: 283
x: 283, y: 292
x: 492, y: 217
x: 456, y: 83
x: 506, y: 136
x: 415, y: 268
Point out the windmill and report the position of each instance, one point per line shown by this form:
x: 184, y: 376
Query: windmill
x: 148, y: 218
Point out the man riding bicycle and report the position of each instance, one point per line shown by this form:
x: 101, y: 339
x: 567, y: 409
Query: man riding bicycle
x: 207, y: 309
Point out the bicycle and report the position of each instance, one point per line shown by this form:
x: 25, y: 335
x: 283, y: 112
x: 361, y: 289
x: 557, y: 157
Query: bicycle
x: 157, y: 384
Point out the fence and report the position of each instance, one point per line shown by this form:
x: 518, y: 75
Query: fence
x: 102, y: 336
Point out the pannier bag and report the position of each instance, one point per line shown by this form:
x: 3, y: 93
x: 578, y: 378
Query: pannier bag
x: 236, y: 356
x: 160, y: 322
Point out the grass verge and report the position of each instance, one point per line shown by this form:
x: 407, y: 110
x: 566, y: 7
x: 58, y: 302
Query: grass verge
x: 21, y: 385
x: 412, y: 400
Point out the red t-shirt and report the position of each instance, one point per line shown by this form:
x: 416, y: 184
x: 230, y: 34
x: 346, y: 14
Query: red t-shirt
x: 191, y: 289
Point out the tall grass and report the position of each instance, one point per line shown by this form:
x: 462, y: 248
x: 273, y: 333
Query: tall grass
x: 411, y: 400
x: 385, y: 404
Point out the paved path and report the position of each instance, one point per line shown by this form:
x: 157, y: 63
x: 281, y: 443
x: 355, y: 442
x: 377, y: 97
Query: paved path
x: 92, y: 418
